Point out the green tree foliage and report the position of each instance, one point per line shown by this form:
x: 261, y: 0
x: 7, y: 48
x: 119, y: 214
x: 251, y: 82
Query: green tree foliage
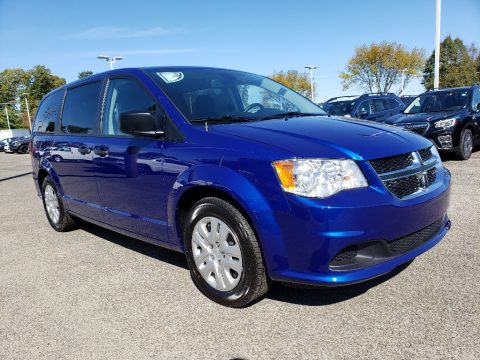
x: 84, y: 74
x: 17, y: 83
x: 458, y: 65
x: 295, y: 80
x: 377, y: 67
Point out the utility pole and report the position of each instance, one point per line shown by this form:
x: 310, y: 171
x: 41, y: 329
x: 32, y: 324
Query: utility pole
x: 8, y: 120
x: 436, y: 79
x: 311, y: 68
x: 403, y: 82
x: 28, y: 110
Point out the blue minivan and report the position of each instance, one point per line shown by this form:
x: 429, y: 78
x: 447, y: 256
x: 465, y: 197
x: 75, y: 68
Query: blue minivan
x: 252, y: 181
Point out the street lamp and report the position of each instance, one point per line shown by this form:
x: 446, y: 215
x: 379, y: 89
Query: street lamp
x: 311, y: 68
x: 28, y: 110
x: 110, y: 59
x: 436, y: 71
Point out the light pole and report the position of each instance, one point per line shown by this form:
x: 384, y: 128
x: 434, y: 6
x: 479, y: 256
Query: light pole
x: 28, y: 110
x: 6, y: 113
x: 311, y: 68
x: 110, y: 59
x: 436, y: 73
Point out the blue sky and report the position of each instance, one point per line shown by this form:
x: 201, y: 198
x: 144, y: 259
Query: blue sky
x: 255, y: 36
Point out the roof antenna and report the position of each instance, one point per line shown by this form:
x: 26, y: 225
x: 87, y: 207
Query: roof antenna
x: 206, y: 126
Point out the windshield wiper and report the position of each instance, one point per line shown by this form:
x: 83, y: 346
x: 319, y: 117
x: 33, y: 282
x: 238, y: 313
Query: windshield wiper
x: 223, y: 119
x: 289, y: 114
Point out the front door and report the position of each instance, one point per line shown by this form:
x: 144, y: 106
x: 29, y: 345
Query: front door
x: 129, y: 168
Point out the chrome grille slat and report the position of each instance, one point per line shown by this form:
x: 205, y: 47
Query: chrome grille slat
x: 407, y: 174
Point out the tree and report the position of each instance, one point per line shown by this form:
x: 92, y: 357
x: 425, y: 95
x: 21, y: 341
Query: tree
x: 458, y: 65
x: 84, y: 74
x: 380, y: 66
x: 294, y: 80
x: 14, y: 83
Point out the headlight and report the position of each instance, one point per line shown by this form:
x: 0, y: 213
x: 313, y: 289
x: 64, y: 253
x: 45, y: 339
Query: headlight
x: 318, y: 178
x: 445, y: 123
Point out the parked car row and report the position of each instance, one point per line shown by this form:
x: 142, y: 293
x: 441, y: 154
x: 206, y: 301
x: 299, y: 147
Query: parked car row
x: 17, y: 145
x: 450, y: 118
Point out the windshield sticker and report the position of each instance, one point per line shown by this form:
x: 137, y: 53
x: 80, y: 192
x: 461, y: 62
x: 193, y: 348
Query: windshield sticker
x: 170, y: 77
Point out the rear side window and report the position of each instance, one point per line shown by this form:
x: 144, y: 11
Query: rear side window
x: 379, y: 105
x: 46, y: 120
x: 80, y: 109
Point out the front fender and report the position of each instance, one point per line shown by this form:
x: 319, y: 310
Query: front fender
x: 221, y: 178
x: 260, y: 206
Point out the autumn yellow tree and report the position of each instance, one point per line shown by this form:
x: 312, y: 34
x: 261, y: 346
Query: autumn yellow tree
x: 294, y: 80
x: 377, y: 67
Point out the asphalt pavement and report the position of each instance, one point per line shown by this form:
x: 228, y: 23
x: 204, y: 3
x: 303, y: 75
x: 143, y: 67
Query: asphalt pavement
x: 94, y: 294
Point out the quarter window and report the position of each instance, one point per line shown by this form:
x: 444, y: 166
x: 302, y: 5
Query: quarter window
x: 80, y: 109
x: 124, y: 95
x: 46, y: 120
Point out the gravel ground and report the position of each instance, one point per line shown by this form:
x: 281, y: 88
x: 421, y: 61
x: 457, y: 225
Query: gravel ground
x: 93, y: 294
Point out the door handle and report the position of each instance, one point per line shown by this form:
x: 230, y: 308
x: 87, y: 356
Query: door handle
x: 84, y: 150
x: 101, y: 150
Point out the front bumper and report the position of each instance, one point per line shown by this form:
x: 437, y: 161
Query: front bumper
x: 314, y: 232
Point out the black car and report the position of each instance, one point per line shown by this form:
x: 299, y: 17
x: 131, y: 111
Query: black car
x: 5, y: 143
x: 20, y: 145
x: 448, y: 117
x: 371, y: 106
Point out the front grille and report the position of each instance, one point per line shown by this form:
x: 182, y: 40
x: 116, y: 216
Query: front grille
x: 404, y: 186
x: 431, y: 176
x: 407, y: 174
x: 392, y: 163
x: 425, y: 154
x: 410, y: 242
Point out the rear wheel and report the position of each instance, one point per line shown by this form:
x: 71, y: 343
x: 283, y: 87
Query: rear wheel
x: 466, y: 145
x: 58, y: 218
x: 223, y: 254
x: 23, y: 149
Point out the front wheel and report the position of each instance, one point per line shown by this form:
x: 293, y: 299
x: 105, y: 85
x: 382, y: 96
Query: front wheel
x: 23, y: 149
x: 465, y: 147
x: 223, y: 254
x: 58, y: 218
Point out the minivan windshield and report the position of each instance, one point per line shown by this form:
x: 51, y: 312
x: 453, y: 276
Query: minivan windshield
x: 439, y: 101
x: 218, y: 95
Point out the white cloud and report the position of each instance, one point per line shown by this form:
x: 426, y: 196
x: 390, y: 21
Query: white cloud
x: 114, y: 32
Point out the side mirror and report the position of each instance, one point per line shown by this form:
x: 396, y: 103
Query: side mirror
x: 362, y: 114
x: 139, y: 123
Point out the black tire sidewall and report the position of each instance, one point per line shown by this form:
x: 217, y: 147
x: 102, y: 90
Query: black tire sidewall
x: 462, y: 140
x: 248, y: 258
x: 60, y: 225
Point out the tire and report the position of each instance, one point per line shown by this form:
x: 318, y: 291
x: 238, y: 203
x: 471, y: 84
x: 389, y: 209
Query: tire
x: 241, y: 279
x: 465, y: 146
x: 23, y: 149
x: 58, y: 218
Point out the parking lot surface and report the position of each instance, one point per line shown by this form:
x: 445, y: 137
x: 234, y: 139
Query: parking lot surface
x: 94, y: 294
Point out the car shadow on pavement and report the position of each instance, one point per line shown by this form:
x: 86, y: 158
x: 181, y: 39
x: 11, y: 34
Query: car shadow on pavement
x: 320, y: 296
x: 295, y: 294
x: 157, y: 252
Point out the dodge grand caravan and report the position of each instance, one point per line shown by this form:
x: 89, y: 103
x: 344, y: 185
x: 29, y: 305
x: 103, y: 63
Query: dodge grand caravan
x: 246, y: 177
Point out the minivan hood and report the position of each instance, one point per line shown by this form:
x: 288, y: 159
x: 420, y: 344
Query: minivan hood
x: 422, y: 117
x: 327, y: 137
